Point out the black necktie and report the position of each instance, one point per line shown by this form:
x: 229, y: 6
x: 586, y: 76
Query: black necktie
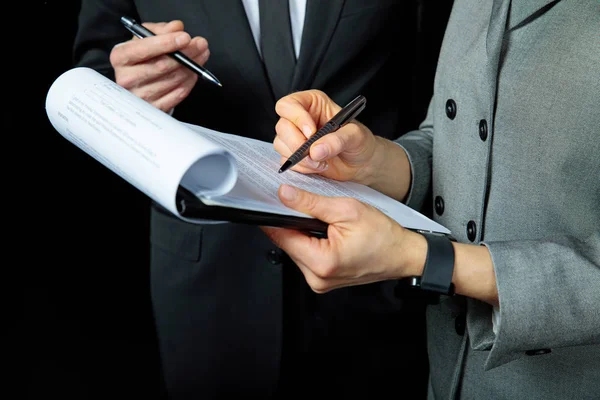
x: 276, y: 44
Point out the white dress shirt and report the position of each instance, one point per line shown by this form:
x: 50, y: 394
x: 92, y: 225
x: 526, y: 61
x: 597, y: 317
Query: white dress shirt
x: 297, y: 13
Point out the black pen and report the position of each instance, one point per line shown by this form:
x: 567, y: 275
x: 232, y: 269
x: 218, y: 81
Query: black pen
x: 346, y: 114
x: 142, y: 32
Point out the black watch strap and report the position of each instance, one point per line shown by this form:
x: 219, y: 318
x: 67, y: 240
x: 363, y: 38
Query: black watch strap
x: 439, y: 265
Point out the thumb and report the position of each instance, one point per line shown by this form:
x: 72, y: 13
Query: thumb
x: 321, y: 207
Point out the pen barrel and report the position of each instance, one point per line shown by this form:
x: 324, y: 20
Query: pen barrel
x: 350, y: 111
x: 143, y: 32
x: 304, y: 150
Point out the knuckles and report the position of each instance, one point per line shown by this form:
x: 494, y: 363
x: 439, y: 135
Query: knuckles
x: 146, y: 93
x: 352, y: 209
x: 117, y: 55
x: 125, y: 80
x: 309, y: 201
x: 279, y: 126
x: 317, y: 95
x: 281, y: 104
x: 163, y: 65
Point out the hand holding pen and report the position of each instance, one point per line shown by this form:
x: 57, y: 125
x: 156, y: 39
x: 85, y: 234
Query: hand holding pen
x: 341, y: 118
x: 146, y: 67
x: 339, y: 151
x: 350, y: 153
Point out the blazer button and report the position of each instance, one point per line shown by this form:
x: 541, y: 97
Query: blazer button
x: 471, y: 230
x: 450, y: 109
x: 483, y: 130
x: 274, y: 257
x: 460, y: 323
x: 439, y: 205
x: 538, y: 352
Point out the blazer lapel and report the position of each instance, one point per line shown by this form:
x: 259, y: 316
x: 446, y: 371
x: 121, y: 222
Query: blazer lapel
x: 228, y: 17
x: 496, y: 31
x: 320, y: 21
x: 493, y: 46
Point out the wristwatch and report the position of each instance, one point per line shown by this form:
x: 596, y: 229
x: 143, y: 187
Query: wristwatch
x: 438, y: 270
x: 439, y: 265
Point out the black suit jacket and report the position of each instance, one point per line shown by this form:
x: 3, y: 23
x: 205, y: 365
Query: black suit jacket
x: 218, y: 290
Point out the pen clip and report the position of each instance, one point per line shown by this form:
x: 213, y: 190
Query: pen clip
x: 350, y: 112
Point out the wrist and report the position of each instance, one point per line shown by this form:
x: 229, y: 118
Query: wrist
x: 474, y: 274
x: 371, y: 173
x: 412, y: 254
x: 389, y: 170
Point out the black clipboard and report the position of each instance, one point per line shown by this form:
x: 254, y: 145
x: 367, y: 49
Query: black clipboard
x: 190, y: 206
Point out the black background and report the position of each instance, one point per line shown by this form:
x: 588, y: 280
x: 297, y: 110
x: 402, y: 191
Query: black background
x: 79, y: 319
x: 86, y: 328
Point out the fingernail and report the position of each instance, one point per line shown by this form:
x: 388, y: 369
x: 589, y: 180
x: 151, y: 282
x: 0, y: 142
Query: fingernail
x: 319, y: 152
x: 180, y: 93
x: 288, y: 192
x: 307, y: 130
x: 311, y: 163
x: 202, y: 43
x: 182, y: 39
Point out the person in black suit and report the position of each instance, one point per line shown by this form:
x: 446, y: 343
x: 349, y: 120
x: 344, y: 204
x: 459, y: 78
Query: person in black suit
x: 232, y: 313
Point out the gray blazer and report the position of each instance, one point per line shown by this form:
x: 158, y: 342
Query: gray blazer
x: 511, y: 150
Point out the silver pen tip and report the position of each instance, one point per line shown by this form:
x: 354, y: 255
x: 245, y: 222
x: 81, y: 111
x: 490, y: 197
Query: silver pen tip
x: 208, y: 75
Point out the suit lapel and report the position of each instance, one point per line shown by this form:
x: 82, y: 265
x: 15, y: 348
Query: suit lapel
x: 496, y: 30
x: 493, y: 46
x: 228, y: 17
x: 320, y: 21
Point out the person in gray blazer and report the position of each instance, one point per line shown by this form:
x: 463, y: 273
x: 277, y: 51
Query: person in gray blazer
x: 232, y: 313
x: 510, y: 148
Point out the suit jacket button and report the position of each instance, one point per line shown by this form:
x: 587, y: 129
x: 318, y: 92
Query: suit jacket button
x: 538, y: 352
x: 450, y: 109
x: 439, y: 205
x: 483, y: 130
x: 460, y: 323
x: 274, y: 257
x: 471, y: 230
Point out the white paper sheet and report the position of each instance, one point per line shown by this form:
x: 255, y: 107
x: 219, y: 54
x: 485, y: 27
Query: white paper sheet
x: 145, y: 146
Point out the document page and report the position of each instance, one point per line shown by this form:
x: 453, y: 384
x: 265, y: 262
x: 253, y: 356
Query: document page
x: 157, y: 154
x: 258, y: 181
x: 145, y: 146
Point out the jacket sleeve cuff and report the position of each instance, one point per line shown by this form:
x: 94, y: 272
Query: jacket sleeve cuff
x: 418, y: 150
x: 547, y: 291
